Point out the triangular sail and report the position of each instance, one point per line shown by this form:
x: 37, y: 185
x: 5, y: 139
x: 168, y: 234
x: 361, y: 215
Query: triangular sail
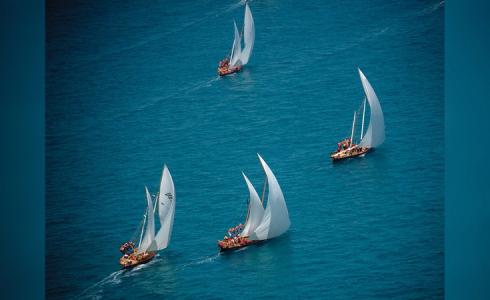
x: 375, y: 134
x: 255, y: 210
x: 232, y: 52
x: 149, y: 235
x: 166, y: 210
x: 248, y: 35
x: 276, y: 218
x: 236, y: 51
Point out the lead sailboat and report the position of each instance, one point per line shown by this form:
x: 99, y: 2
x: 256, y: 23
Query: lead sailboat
x: 239, y: 57
x: 261, y: 224
x: 375, y: 133
x: 150, y: 243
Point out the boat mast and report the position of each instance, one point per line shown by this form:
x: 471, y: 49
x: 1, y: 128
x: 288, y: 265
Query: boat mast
x: 263, y: 190
x: 353, y: 127
x: 248, y: 211
x: 363, y: 113
x: 156, y: 202
x: 143, y: 227
x: 233, y: 48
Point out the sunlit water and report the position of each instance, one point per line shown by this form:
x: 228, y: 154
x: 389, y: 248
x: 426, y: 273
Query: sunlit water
x: 131, y: 86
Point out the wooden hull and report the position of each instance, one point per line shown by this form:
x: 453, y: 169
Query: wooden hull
x: 349, y: 153
x: 226, y: 248
x: 136, y: 259
x: 224, y: 72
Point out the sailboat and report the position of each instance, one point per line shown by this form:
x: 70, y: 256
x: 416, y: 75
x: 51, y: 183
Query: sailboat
x: 239, y: 57
x: 260, y: 224
x: 375, y: 134
x: 150, y: 243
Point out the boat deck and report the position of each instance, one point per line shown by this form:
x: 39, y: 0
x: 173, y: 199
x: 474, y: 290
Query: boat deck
x: 136, y: 259
x: 351, y: 152
x: 234, y: 244
x: 223, y: 71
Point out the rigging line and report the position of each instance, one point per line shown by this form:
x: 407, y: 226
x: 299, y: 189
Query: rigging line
x: 143, y: 227
x: 363, y: 116
x: 239, y: 213
x: 156, y: 202
x: 136, y: 232
x: 263, y: 190
x: 242, y: 214
x: 359, y: 108
x: 248, y: 209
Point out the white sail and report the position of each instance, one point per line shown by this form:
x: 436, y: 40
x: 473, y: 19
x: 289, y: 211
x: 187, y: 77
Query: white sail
x: 375, y: 134
x: 353, y: 129
x: 236, y: 51
x: 276, y: 218
x: 255, y: 210
x: 363, y: 115
x: 166, y: 210
x: 148, y: 238
x: 248, y: 35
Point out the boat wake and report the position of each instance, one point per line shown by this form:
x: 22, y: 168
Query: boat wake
x: 356, y: 43
x: 242, y: 249
x: 93, y: 291
x: 160, y: 36
x: 183, y: 91
x: 157, y: 100
x: 115, y: 278
x: 431, y: 9
x: 373, y: 34
x: 202, y: 260
x: 207, y: 16
x: 236, y: 5
x: 199, y: 86
x: 376, y: 33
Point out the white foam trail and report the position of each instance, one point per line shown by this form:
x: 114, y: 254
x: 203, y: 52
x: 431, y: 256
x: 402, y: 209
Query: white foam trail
x: 203, y: 260
x: 438, y: 5
x: 179, y: 93
x: 115, y: 278
x: 157, y: 37
x: 92, y: 291
x: 371, y: 35
x: 199, y: 86
x: 430, y: 9
x: 156, y: 100
x: 350, y: 45
x: 374, y: 34
x: 241, y: 249
x: 236, y: 5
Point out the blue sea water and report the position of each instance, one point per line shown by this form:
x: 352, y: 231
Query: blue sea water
x: 133, y: 85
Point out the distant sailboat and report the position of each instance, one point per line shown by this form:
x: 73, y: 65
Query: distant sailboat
x: 149, y: 242
x: 261, y: 224
x: 375, y: 134
x: 238, y: 56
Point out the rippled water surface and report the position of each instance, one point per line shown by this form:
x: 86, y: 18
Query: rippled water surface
x: 132, y: 85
